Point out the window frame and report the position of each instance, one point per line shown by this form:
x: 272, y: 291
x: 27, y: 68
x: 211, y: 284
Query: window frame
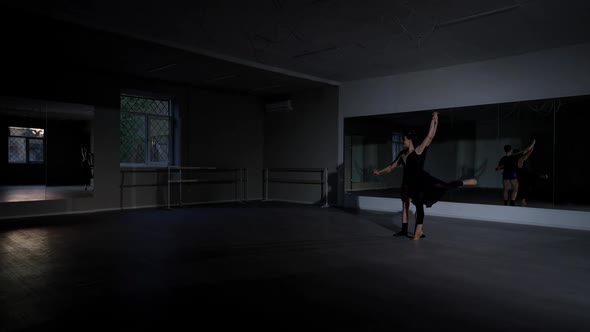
x: 27, y: 149
x: 397, y: 143
x: 146, y: 120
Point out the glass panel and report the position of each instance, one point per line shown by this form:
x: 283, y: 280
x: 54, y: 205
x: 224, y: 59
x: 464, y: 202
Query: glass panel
x: 368, y: 153
x: 68, y: 150
x: 43, y: 147
x: 35, y: 150
x: 357, y: 161
x: 145, y: 105
x: 135, y: 112
x: 571, y: 154
x: 20, y: 178
x: 26, y: 132
x: 17, y: 150
x: 159, y: 137
x: 372, y: 143
x: 133, y: 138
x: 469, y: 143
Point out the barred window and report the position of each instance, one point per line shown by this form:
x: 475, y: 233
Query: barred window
x: 397, y: 144
x: 25, y: 145
x: 146, y: 131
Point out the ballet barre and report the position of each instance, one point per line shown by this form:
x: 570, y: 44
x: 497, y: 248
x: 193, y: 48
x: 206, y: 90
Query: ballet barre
x: 156, y: 170
x: 240, y: 177
x: 323, y: 182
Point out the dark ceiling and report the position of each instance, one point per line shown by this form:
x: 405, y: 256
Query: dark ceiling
x: 34, y: 43
x: 273, y: 46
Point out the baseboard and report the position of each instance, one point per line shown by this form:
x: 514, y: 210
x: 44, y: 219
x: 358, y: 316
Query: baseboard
x: 568, y: 219
x: 291, y: 201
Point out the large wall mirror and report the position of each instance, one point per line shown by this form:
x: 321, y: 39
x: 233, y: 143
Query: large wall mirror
x: 470, y: 142
x: 48, y: 150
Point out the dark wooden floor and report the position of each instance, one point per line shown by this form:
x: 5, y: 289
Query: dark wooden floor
x: 288, y: 267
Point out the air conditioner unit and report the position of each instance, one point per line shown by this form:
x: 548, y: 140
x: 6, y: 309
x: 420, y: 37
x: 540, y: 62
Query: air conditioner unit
x: 280, y: 106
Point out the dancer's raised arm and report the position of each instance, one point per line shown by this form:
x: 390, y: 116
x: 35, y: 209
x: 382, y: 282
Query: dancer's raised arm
x: 526, y: 150
x: 529, y: 148
x: 431, y: 132
x: 526, y: 155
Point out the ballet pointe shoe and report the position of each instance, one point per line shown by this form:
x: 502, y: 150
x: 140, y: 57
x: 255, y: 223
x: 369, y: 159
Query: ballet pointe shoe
x: 470, y: 182
x: 418, y: 233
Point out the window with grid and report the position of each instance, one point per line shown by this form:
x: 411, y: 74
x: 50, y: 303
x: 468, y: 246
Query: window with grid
x: 146, y: 131
x: 397, y: 144
x: 25, y: 145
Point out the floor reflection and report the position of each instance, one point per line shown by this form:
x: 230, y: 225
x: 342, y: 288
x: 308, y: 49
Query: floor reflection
x: 40, y: 193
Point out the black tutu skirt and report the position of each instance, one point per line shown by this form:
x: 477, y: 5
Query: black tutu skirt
x: 426, y: 189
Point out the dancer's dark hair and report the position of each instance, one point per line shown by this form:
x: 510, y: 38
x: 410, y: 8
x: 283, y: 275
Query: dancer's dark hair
x: 411, y: 135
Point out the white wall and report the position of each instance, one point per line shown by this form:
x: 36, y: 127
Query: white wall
x: 545, y: 74
x: 305, y: 137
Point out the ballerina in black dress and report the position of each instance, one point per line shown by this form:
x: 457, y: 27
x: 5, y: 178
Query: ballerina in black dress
x: 424, y: 189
